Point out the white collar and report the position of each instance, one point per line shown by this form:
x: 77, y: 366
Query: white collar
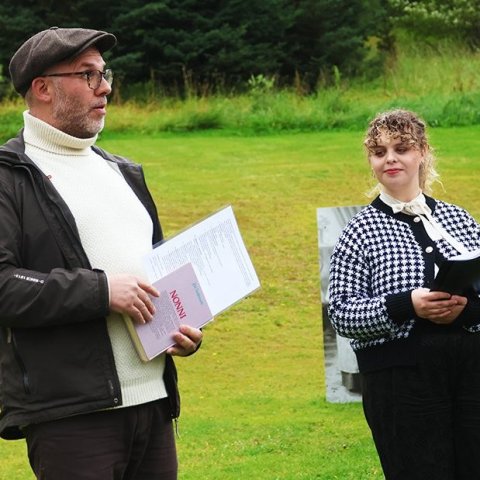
x: 417, y: 206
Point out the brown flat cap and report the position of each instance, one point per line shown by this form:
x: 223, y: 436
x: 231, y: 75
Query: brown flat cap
x: 50, y: 47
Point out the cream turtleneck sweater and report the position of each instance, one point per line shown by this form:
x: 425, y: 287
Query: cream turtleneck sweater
x: 115, y: 231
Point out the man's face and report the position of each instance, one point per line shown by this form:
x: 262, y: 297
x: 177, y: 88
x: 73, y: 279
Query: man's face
x: 77, y: 109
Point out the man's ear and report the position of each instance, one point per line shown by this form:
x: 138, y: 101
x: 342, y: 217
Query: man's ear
x: 41, y: 89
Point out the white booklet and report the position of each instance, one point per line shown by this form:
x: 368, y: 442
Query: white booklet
x: 215, y: 249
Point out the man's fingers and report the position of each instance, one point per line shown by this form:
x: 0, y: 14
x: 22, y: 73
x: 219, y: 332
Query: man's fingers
x: 132, y: 296
x: 150, y: 289
x: 144, y: 300
x: 187, y: 341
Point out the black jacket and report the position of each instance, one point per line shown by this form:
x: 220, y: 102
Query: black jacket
x: 56, y: 358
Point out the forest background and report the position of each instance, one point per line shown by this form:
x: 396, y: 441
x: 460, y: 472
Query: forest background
x: 263, y: 105
x: 274, y: 65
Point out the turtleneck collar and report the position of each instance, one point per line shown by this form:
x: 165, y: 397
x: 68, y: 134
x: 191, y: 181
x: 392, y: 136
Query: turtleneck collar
x: 40, y: 134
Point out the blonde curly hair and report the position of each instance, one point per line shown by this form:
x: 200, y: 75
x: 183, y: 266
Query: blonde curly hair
x: 411, y: 130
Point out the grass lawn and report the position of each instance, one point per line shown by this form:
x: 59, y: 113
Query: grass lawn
x: 254, y: 395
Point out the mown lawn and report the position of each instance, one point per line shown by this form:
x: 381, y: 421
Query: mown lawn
x: 254, y: 395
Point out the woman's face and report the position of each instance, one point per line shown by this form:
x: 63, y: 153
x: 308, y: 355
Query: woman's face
x: 396, y: 165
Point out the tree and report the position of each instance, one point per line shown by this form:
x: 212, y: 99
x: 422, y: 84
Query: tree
x: 23, y: 18
x: 331, y: 35
x: 185, y: 44
x: 206, y: 40
x: 440, y: 18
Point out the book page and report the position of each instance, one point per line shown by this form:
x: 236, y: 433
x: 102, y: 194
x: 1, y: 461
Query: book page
x: 216, y: 250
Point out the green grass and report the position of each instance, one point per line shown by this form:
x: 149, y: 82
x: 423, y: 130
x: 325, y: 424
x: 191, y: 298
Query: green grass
x: 254, y: 395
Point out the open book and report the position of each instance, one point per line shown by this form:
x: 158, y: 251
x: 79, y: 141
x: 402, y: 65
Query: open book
x: 458, y: 273
x: 220, y: 274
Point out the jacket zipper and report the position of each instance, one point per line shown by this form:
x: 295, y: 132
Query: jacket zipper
x: 11, y: 339
x: 113, y: 393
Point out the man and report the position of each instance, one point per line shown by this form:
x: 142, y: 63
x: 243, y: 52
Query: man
x: 75, y: 223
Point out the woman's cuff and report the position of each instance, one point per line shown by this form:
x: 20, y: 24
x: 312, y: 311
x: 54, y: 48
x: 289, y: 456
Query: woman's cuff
x: 400, y: 307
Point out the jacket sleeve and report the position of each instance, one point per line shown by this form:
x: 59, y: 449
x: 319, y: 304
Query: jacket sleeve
x: 31, y: 298
x: 34, y: 299
x: 354, y: 310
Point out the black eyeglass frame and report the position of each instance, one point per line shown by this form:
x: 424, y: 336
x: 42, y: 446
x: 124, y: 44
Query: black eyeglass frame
x: 107, y: 75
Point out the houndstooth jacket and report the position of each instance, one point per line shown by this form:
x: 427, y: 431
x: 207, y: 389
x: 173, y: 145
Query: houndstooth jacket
x: 378, y: 260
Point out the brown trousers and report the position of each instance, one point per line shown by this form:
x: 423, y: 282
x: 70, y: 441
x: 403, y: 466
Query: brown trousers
x: 133, y: 443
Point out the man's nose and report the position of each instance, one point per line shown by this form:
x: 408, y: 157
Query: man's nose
x: 104, y: 88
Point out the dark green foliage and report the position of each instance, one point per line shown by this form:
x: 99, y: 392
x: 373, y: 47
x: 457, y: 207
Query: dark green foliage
x: 331, y: 34
x: 188, y: 42
x: 194, y: 46
x: 20, y: 19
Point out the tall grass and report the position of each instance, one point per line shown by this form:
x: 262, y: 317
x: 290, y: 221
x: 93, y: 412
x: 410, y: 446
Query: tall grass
x: 440, y: 82
x: 442, y: 68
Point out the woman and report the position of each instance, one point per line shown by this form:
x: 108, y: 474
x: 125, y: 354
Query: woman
x: 418, y: 350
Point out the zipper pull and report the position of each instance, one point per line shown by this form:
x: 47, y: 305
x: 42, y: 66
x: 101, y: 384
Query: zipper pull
x: 116, y: 401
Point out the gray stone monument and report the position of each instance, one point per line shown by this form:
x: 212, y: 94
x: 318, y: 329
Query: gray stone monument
x: 341, y: 369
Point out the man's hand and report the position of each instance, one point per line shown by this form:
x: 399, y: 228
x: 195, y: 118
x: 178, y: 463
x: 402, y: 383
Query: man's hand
x: 131, y: 295
x: 438, y: 307
x: 187, y: 341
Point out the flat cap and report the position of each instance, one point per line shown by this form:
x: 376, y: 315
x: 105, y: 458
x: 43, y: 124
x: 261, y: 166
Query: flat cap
x: 50, y: 47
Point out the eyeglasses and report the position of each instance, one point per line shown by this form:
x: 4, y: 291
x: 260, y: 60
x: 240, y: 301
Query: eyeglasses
x: 94, y: 77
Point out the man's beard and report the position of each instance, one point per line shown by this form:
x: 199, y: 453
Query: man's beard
x: 72, y: 116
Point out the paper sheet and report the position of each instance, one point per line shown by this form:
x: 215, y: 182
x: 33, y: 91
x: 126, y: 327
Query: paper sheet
x: 218, y: 254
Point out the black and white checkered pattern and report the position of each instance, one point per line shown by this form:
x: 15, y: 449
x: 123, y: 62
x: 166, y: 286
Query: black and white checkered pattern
x: 378, y: 255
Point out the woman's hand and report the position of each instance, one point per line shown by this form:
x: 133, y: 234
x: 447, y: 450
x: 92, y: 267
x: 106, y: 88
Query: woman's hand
x: 437, y: 307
